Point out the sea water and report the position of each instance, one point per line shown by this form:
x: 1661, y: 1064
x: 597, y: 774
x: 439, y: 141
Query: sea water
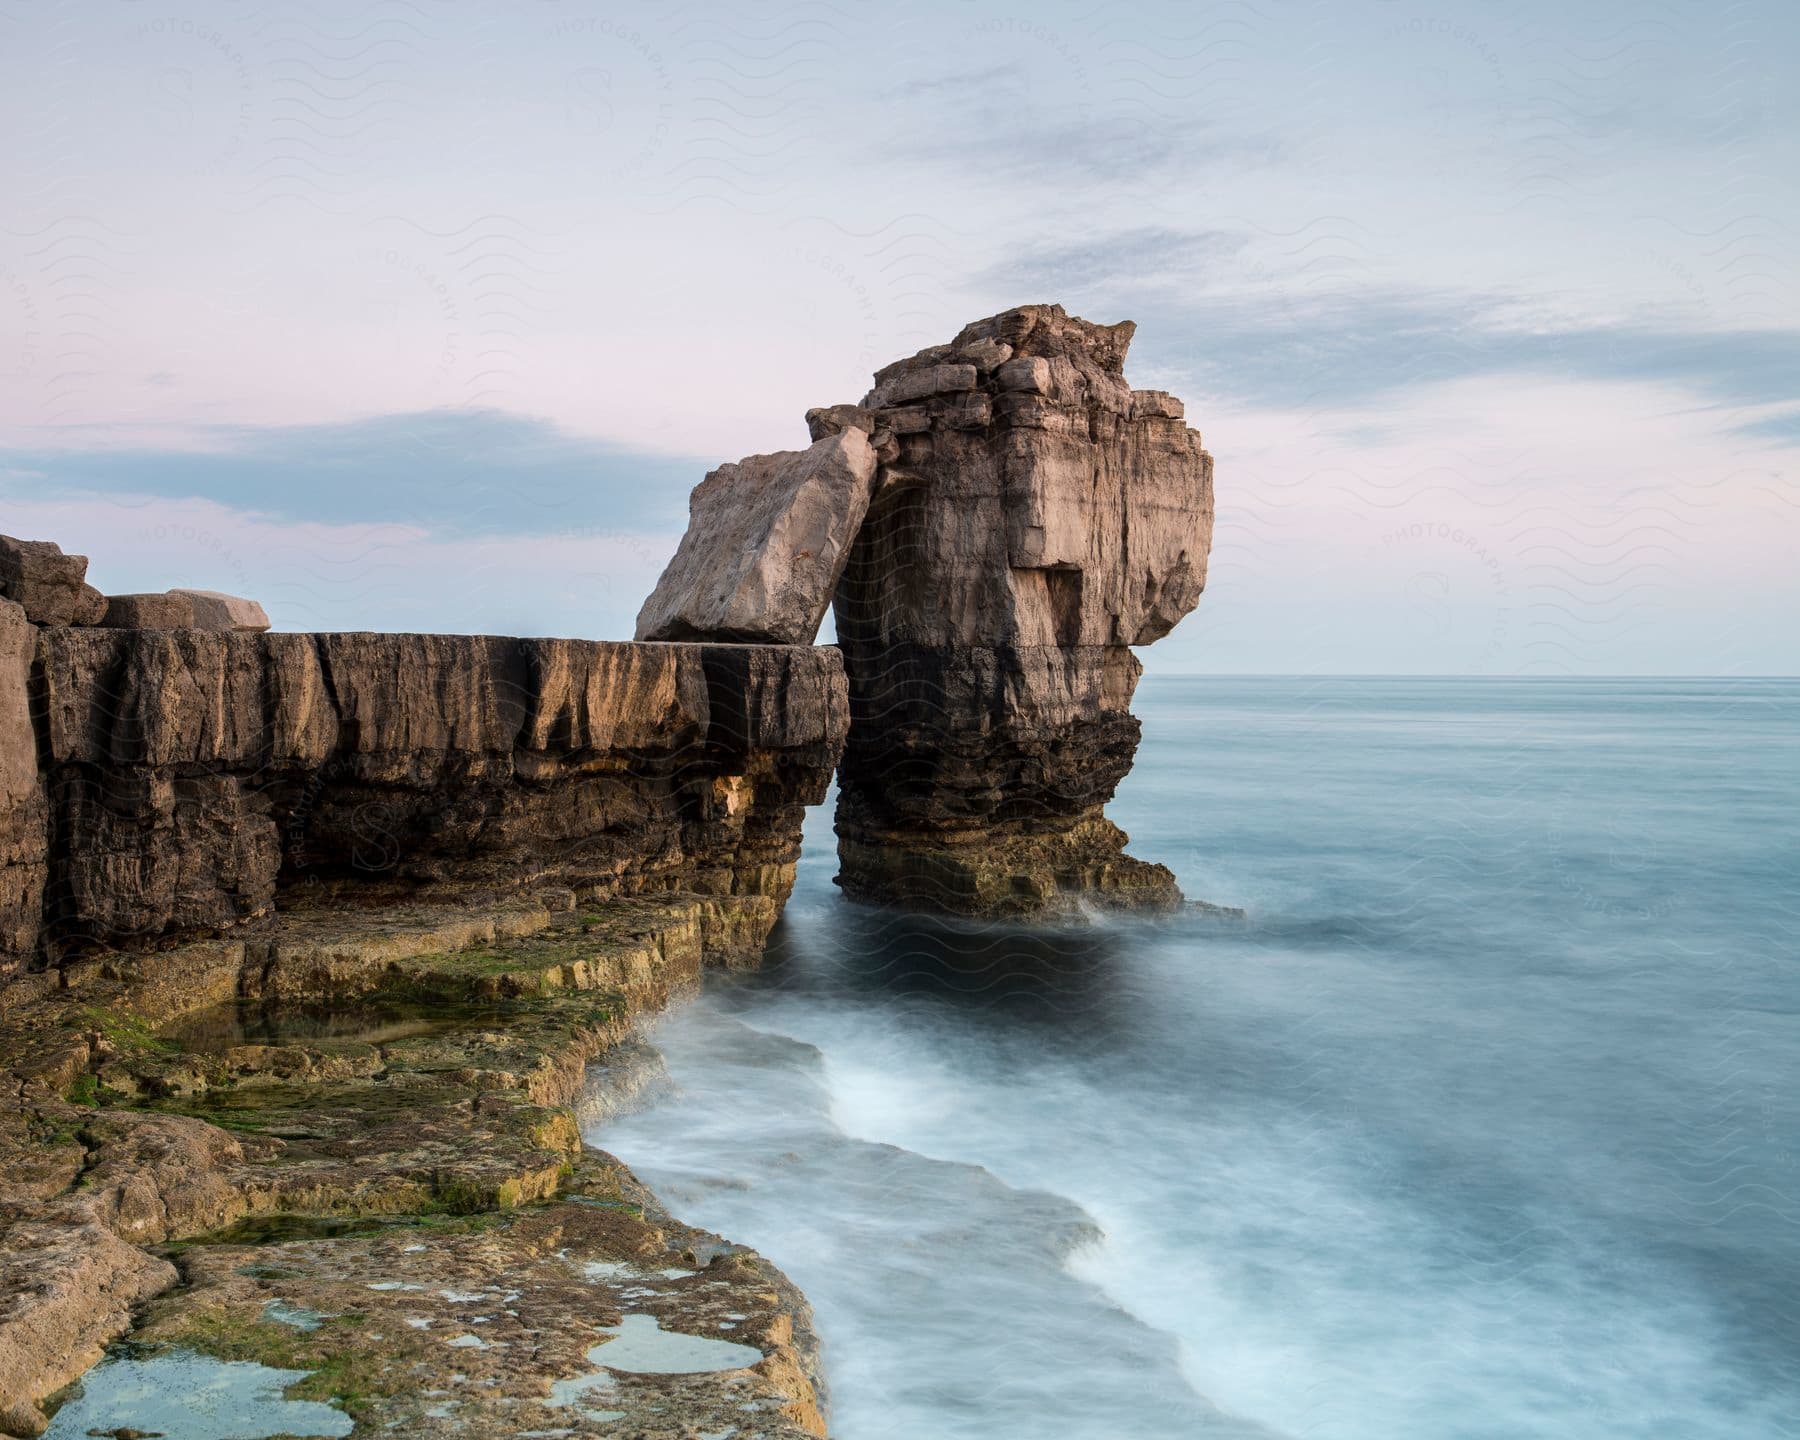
x: 1485, y: 1123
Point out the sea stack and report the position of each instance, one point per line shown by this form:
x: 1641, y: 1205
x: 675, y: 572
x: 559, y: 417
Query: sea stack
x: 1036, y: 518
x: 1031, y: 518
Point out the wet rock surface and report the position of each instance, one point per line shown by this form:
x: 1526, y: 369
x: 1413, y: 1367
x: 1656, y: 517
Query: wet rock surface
x: 395, y: 1203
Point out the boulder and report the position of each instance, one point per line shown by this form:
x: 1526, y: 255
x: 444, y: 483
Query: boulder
x: 214, y: 610
x: 149, y: 612
x: 51, y: 586
x: 766, y: 542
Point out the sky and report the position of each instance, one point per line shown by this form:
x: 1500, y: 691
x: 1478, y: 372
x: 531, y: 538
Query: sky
x: 427, y: 314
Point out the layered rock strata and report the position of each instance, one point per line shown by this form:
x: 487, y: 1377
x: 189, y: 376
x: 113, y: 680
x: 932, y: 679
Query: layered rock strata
x: 1034, y: 519
x: 178, y: 780
x: 309, y: 942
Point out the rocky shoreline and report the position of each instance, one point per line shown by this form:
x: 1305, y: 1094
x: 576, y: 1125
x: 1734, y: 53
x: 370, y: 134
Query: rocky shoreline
x: 307, y: 941
x: 313, y: 938
x: 369, y: 1120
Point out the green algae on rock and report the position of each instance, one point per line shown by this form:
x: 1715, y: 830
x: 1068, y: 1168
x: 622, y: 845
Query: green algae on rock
x: 402, y: 1181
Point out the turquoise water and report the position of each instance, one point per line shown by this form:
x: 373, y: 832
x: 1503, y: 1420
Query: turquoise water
x: 1484, y: 1125
x: 195, y: 1397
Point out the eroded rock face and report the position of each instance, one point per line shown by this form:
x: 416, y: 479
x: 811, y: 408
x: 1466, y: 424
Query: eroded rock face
x: 51, y: 586
x: 189, y: 775
x: 766, y: 541
x: 24, y: 836
x: 159, y: 611
x: 1038, y: 517
x: 185, y: 610
x: 215, y: 610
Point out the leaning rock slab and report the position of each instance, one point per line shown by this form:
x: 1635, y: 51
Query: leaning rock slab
x: 50, y: 585
x: 766, y: 542
x: 214, y: 610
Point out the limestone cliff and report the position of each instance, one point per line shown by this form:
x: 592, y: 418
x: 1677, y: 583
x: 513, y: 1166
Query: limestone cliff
x: 24, y: 807
x: 169, y: 783
x: 483, y: 858
x: 1034, y: 518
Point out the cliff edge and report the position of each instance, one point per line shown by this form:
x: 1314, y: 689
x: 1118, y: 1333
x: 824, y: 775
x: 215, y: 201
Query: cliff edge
x: 306, y: 944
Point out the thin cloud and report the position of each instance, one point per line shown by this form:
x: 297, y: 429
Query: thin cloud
x: 969, y: 82
x: 1094, y: 265
x: 1275, y: 350
x: 457, y: 472
x: 1783, y: 430
x: 1294, y: 348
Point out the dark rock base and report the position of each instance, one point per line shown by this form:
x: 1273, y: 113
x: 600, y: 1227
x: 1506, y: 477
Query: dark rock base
x: 1063, y: 872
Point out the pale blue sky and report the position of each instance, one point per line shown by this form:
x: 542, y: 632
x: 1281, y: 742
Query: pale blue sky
x: 420, y: 314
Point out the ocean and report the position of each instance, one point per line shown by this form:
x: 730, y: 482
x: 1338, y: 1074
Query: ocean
x: 1483, y: 1124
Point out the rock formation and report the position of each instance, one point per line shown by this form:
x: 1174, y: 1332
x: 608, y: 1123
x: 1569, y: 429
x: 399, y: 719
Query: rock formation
x: 51, y: 586
x: 766, y: 541
x: 1039, y: 519
x: 185, y: 610
x: 486, y: 856
x: 24, y: 806
x: 1033, y: 518
x: 177, y: 780
x: 214, y: 610
x: 519, y: 846
x: 163, y: 611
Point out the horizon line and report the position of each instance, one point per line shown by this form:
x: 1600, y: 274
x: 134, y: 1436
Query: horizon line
x: 1444, y: 675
